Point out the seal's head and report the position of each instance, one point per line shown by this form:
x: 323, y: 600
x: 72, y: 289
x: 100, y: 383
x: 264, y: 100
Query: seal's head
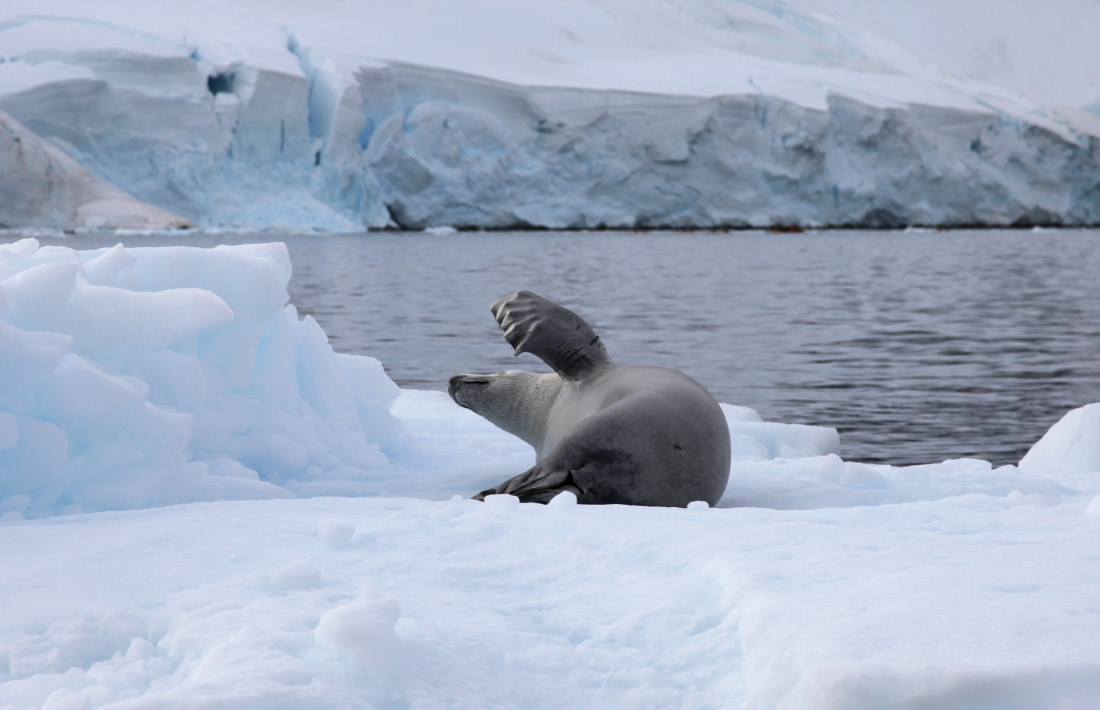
x: 486, y: 393
x: 514, y: 400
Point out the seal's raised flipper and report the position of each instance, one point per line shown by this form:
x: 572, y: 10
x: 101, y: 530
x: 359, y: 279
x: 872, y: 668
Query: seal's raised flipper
x: 553, y: 333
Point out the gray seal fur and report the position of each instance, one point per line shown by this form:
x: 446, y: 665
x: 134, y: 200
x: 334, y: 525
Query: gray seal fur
x: 608, y: 433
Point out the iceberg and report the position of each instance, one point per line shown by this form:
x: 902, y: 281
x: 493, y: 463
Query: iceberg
x: 150, y: 376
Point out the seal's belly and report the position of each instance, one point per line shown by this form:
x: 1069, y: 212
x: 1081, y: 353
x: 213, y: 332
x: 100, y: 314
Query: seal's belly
x: 577, y: 402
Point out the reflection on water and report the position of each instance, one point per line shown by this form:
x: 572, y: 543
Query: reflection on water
x: 917, y: 347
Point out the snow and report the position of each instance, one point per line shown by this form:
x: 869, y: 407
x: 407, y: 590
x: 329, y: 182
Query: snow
x: 573, y: 114
x: 1011, y: 46
x: 959, y: 604
x: 202, y: 505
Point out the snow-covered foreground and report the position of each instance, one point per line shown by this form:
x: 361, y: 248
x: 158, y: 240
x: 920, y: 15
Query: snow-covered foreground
x: 972, y: 602
x: 132, y: 378
x: 564, y: 114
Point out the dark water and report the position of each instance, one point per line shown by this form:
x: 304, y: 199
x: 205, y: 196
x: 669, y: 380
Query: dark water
x: 916, y: 347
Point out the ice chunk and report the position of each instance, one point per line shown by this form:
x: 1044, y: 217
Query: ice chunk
x: 374, y: 392
x: 39, y: 294
x: 1072, y: 443
x: 751, y: 438
x: 26, y: 357
x: 108, y: 318
x: 735, y: 413
x: 38, y: 465
x: 861, y: 475
x: 335, y: 533
x: 832, y: 468
x: 501, y: 502
x: 137, y: 377
x: 566, y: 500
x: 301, y: 574
x: 364, y: 630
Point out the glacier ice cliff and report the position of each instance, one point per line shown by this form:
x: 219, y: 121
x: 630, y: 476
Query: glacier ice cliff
x: 495, y: 155
x: 42, y: 187
x: 323, y: 142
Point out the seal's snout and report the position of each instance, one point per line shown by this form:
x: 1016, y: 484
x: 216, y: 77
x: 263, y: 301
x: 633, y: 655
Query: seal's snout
x: 453, y: 388
x: 459, y: 385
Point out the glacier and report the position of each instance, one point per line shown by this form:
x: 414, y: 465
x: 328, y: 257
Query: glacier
x: 42, y: 187
x: 761, y: 116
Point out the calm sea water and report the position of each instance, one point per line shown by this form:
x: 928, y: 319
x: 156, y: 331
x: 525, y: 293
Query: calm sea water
x: 917, y: 347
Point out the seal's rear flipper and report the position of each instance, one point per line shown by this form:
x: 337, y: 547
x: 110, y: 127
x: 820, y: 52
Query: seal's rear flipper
x: 553, y: 333
x: 538, y: 484
x: 546, y: 496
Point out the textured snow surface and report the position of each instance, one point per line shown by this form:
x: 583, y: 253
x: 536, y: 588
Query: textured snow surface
x: 618, y: 113
x: 1043, y: 50
x: 133, y: 378
x: 972, y: 602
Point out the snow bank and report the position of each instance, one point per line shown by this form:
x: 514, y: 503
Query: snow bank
x: 139, y: 377
x: 606, y: 114
x: 972, y: 602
